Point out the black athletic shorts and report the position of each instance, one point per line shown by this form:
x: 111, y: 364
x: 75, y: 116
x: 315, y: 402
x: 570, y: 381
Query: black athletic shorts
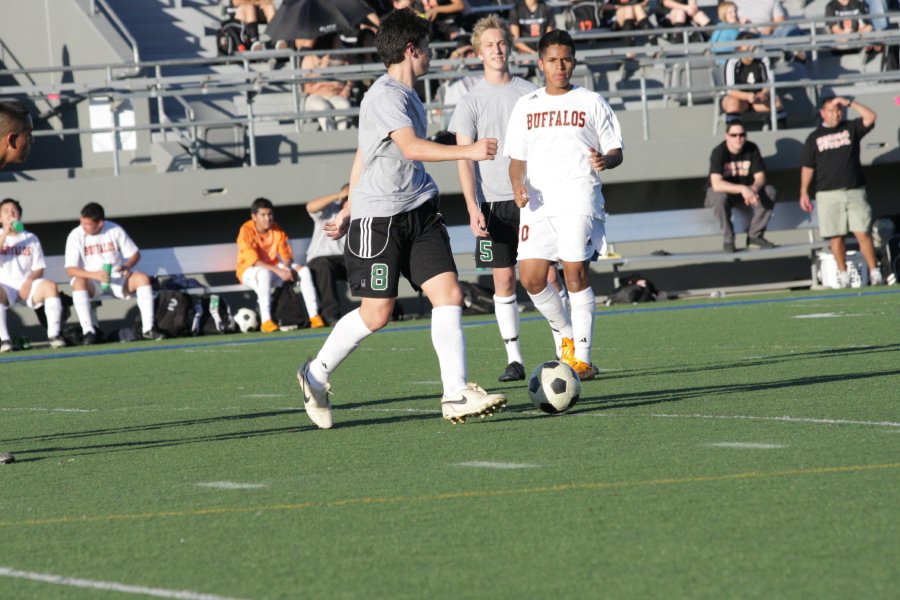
x: 414, y: 244
x: 500, y: 247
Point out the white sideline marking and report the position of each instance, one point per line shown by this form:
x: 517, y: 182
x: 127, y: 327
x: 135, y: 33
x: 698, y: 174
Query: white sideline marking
x: 746, y: 445
x: 263, y: 395
x: 231, y: 485
x: 478, y: 464
x: 108, y: 585
x: 64, y: 410
x: 783, y: 419
x: 828, y: 315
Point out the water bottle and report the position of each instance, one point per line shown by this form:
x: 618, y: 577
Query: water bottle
x: 18, y: 226
x: 105, y: 285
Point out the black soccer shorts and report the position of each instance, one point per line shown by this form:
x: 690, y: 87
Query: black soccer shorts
x: 414, y: 244
x: 499, y: 249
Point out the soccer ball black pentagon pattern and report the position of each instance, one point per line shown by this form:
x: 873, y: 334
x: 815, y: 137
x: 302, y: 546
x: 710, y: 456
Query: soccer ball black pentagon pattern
x: 246, y: 320
x: 554, y: 387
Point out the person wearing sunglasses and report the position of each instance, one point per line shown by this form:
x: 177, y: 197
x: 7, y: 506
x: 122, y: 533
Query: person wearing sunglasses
x: 737, y: 179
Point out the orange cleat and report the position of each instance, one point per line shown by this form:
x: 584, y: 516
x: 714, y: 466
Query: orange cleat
x: 584, y: 370
x: 316, y: 322
x: 268, y: 326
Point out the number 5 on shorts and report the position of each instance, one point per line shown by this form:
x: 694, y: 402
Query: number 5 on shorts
x: 485, y: 251
x: 379, y: 277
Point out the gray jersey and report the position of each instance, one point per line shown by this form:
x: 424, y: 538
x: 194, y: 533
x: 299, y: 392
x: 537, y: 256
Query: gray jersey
x: 321, y: 244
x: 389, y: 183
x: 484, y: 113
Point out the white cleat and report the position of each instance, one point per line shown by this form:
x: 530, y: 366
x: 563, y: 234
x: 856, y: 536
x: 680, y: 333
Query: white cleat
x: 315, y: 399
x: 472, y: 401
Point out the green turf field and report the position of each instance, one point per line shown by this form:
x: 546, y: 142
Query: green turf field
x: 730, y: 449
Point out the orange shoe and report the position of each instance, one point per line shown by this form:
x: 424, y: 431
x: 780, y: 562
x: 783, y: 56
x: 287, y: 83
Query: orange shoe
x: 316, y: 322
x: 567, y: 350
x: 268, y: 326
x: 584, y: 370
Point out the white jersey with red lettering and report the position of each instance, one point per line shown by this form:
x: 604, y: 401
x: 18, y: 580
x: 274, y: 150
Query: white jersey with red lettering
x: 90, y: 252
x: 20, y: 254
x: 554, y: 135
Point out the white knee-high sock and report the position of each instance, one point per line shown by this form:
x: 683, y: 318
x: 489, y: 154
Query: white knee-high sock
x: 308, y: 291
x: 4, y: 331
x: 506, y: 308
x: 81, y: 300
x: 550, y: 305
x: 450, y: 344
x: 145, y: 306
x: 564, y: 296
x: 583, y: 305
x: 53, y: 311
x: 263, y: 288
x: 346, y: 336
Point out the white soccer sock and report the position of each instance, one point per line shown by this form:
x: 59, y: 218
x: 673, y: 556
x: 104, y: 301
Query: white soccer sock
x: 53, y: 311
x: 583, y: 305
x: 346, y: 336
x: 506, y: 308
x: 308, y: 291
x: 564, y: 296
x: 4, y: 331
x: 81, y: 300
x: 450, y: 344
x: 263, y: 289
x: 550, y: 305
x: 145, y: 306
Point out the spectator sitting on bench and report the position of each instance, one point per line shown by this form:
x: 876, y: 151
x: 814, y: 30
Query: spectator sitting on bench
x: 265, y: 259
x: 248, y: 13
x: 21, y: 275
x: 749, y: 70
x: 737, y: 178
x: 325, y: 256
x: 101, y: 256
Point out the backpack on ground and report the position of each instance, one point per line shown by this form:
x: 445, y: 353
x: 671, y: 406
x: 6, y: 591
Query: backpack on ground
x: 477, y: 299
x: 174, y: 313
x: 215, y: 317
x: 633, y: 288
x: 288, y: 309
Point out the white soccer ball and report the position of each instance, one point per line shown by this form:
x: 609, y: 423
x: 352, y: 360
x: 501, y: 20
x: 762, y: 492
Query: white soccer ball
x: 246, y: 320
x: 554, y: 387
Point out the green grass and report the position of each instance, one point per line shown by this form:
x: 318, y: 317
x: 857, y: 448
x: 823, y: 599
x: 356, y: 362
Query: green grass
x: 630, y: 495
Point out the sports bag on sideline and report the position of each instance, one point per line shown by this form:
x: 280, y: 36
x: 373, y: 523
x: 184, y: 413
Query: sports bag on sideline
x: 174, y: 313
x: 288, y: 309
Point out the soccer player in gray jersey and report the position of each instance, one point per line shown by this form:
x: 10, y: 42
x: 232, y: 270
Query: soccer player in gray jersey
x: 393, y: 227
x: 493, y: 214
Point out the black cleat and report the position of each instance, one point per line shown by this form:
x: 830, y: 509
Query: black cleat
x: 514, y: 372
x: 89, y: 339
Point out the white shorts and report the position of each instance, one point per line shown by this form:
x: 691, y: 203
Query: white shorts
x: 118, y: 287
x: 571, y: 238
x: 12, y: 295
x: 249, y: 277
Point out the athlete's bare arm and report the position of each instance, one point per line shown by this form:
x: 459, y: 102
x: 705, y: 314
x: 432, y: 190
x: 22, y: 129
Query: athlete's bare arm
x: 466, y: 171
x: 415, y: 148
x: 517, y: 171
x: 605, y: 162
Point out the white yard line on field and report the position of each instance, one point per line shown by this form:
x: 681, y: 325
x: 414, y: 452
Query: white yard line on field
x: 112, y: 586
x: 746, y: 445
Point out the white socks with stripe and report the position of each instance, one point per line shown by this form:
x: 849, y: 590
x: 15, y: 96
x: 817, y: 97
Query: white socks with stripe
x: 583, y: 304
x: 348, y: 332
x: 506, y: 308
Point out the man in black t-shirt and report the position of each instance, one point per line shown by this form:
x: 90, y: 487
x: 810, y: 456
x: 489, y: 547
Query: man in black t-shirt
x: 831, y: 155
x: 737, y: 179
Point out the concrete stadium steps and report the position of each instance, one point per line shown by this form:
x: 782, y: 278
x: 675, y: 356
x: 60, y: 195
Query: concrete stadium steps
x: 165, y: 32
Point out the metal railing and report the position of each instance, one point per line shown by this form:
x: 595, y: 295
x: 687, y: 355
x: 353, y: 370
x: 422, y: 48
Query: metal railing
x: 114, y: 19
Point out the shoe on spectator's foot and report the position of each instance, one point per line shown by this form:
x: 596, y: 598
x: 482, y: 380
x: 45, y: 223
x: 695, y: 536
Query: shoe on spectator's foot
x: 317, y: 322
x: 257, y: 46
x: 153, y: 334
x: 470, y: 402
x: 843, y: 280
x: 57, y: 342
x: 759, y: 242
x: 89, y: 339
x: 6, y: 346
x: 584, y: 370
x: 315, y: 399
x: 514, y: 372
x: 269, y: 326
x: 728, y: 247
x: 281, y: 45
x: 875, y: 277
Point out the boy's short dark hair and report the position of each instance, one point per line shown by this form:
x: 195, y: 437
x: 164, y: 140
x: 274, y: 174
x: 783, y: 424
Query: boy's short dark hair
x: 11, y: 201
x: 399, y: 28
x: 556, y: 37
x: 93, y: 211
x: 260, y: 203
x: 12, y: 117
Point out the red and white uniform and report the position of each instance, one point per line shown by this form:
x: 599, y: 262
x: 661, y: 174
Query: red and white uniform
x: 110, y: 246
x: 19, y: 256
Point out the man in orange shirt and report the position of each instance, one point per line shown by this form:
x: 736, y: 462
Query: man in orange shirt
x: 265, y: 259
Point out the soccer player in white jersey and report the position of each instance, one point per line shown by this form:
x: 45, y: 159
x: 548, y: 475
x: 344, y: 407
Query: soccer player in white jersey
x: 21, y: 276
x: 393, y: 228
x: 97, y: 242
x: 493, y: 214
x: 559, y: 139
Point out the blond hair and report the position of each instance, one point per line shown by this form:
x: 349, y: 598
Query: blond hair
x: 490, y: 22
x: 723, y: 8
